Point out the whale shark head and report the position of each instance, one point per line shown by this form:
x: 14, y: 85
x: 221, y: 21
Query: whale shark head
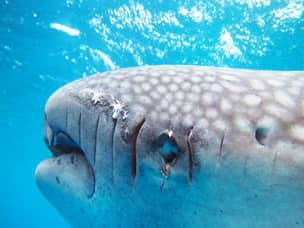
x: 175, y: 146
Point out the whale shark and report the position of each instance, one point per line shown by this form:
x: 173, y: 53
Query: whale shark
x: 177, y: 146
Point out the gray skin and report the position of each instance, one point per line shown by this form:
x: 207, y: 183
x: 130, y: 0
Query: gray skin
x: 177, y: 146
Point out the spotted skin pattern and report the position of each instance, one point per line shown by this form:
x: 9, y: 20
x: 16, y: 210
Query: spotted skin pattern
x: 219, y: 99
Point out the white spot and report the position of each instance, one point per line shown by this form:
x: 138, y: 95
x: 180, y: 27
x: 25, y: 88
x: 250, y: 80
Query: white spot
x: 179, y: 95
x: 242, y: 124
x: 165, y: 79
x: 155, y: 73
x: 202, y: 123
x: 195, y: 79
x: 178, y: 80
x: 164, y: 104
x: 137, y: 89
x: 252, y: 100
x: 153, y: 81
x: 187, y: 120
x: 297, y: 132
x: 146, y: 86
x: 126, y: 84
x: 232, y: 87
x: 220, y: 125
x: 172, y: 109
x: 207, y: 98
x: 164, y: 116
x: 171, y: 72
x: 63, y: 28
x: 284, y: 99
x: 216, y: 88
x: 229, y: 78
x: 155, y: 95
x: 186, y: 86
x: 268, y: 122
x: 139, y: 78
x: 187, y: 108
x: 196, y: 89
x: 275, y: 83
x: 211, y: 113
x: 225, y: 105
x: 277, y: 111
x: 295, y: 90
x: 161, y: 89
x: 205, y: 86
x: 173, y: 87
x: 257, y: 84
x: 209, y: 79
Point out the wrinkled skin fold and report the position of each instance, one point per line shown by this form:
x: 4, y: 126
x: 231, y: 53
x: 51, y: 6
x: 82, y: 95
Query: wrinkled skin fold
x: 177, y: 146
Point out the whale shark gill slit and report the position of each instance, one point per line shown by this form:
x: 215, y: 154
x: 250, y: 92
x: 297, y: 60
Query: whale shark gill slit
x: 220, y: 153
x: 190, y: 153
x: 92, y: 173
x: 137, y: 128
x: 79, y: 128
x: 112, y: 148
x: 95, y: 141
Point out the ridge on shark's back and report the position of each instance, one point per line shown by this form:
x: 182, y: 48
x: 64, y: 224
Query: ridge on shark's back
x: 164, y: 146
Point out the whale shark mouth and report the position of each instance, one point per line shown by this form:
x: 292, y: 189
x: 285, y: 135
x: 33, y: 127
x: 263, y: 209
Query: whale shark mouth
x: 61, y: 145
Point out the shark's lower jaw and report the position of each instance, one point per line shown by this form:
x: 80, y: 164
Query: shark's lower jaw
x: 67, y: 171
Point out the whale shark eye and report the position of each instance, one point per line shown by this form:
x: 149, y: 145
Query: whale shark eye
x: 167, y: 146
x: 261, y: 135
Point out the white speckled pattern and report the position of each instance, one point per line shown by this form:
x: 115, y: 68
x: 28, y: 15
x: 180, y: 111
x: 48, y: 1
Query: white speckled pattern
x: 215, y: 95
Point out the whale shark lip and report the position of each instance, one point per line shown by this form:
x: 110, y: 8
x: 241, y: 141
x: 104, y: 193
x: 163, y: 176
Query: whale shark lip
x: 61, y: 144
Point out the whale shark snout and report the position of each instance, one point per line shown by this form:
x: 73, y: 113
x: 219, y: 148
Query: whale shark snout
x: 163, y: 146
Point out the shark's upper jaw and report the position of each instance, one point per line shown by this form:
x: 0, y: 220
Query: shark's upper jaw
x: 69, y: 174
x: 60, y: 142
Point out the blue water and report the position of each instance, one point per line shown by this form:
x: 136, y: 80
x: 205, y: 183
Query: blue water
x: 44, y: 44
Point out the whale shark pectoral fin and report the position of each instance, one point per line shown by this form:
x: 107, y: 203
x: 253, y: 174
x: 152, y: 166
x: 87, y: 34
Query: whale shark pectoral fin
x: 65, y: 176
